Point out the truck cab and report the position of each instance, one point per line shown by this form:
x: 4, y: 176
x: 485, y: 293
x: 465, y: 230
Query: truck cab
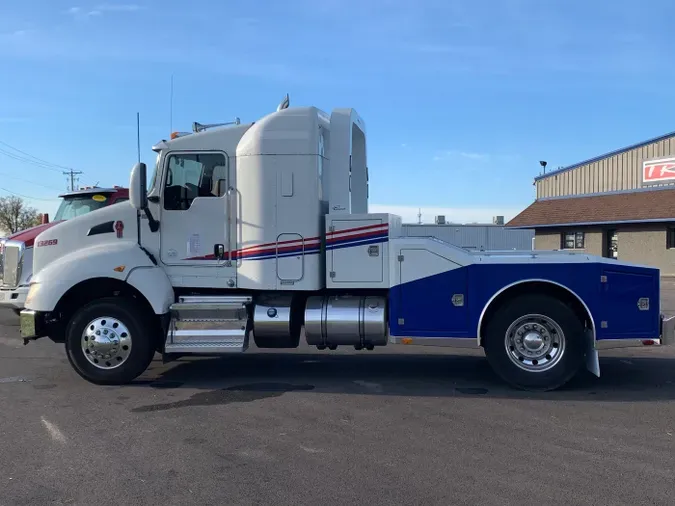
x: 16, y: 250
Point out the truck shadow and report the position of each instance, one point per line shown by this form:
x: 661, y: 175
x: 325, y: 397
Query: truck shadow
x: 246, y: 378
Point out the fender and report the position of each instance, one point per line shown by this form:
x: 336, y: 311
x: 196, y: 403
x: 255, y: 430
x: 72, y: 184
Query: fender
x: 155, y: 286
x: 111, y: 260
x: 533, y: 280
x: 592, y: 360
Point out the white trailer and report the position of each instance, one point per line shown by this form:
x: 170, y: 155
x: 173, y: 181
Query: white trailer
x: 258, y: 230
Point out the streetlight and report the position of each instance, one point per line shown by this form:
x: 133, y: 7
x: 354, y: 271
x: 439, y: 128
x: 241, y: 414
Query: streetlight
x: 543, y: 164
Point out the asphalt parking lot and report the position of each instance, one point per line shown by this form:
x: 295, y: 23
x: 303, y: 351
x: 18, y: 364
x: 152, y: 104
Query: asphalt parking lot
x: 426, y: 426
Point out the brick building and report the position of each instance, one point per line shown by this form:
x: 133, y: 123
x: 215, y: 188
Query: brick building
x: 618, y: 205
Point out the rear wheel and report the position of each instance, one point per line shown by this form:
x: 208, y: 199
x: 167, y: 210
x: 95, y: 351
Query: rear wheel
x: 109, y: 341
x: 535, y: 342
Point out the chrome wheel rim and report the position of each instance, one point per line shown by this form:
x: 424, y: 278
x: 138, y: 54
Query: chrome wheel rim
x: 535, y: 343
x: 106, y: 342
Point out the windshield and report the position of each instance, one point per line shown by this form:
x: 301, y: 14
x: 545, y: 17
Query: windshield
x: 153, y: 180
x: 79, y: 205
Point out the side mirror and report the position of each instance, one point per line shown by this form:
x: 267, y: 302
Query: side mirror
x: 138, y: 195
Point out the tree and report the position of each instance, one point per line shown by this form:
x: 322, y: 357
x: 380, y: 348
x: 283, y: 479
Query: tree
x: 15, y: 215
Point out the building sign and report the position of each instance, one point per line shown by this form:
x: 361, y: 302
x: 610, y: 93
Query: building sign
x: 658, y: 171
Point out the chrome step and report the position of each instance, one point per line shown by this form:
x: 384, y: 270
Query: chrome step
x: 208, y: 324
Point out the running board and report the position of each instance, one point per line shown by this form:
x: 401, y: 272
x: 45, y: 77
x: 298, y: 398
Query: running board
x: 208, y: 325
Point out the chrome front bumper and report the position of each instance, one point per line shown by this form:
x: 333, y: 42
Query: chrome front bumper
x: 34, y: 325
x: 28, y: 324
x: 667, y: 334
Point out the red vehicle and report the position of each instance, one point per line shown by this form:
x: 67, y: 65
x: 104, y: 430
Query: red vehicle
x: 16, y: 250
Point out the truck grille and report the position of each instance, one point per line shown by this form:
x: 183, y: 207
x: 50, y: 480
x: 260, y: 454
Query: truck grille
x: 11, y: 256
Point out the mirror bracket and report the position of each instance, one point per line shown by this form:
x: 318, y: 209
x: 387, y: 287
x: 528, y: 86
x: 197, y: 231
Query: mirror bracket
x: 152, y: 222
x: 139, y: 196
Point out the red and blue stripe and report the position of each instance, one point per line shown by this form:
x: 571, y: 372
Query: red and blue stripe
x: 370, y: 234
x: 359, y: 236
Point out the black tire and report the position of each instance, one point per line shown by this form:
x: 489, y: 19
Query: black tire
x: 142, y: 349
x: 562, y: 367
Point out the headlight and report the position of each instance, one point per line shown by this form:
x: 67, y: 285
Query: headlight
x: 32, y: 292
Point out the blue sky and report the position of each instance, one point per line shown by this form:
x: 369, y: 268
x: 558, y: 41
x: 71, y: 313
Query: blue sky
x: 461, y: 99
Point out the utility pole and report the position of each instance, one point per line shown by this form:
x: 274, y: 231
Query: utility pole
x: 72, y: 173
x: 419, y: 216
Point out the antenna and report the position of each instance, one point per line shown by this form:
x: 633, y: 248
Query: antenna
x: 138, y: 135
x: 284, y: 103
x: 171, y: 106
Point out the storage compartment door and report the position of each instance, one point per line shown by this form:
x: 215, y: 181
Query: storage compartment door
x: 434, y: 296
x: 630, y: 308
x: 290, y: 260
x: 356, y: 254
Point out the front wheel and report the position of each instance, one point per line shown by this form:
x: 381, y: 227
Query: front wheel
x: 535, y: 342
x: 109, y: 342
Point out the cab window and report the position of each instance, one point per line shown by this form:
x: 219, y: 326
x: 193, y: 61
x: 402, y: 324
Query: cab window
x: 192, y: 175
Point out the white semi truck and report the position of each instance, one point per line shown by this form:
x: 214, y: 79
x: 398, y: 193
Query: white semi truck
x: 261, y: 230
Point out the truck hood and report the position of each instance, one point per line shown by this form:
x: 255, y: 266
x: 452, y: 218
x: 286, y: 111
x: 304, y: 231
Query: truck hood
x: 28, y: 235
x: 110, y: 224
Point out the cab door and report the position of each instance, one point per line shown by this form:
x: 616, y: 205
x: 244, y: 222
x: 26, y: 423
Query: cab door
x: 194, y: 222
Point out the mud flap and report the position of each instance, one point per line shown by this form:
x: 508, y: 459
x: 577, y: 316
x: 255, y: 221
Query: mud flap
x: 592, y: 359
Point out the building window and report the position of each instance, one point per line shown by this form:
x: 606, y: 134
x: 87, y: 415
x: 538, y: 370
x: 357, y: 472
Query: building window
x: 573, y: 240
x: 670, y: 237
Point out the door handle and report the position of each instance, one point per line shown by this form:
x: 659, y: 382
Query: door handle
x: 218, y: 251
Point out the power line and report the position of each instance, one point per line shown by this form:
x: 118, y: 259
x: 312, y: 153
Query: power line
x: 28, y: 160
x: 3, y: 174
x: 25, y: 196
x: 45, y: 162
